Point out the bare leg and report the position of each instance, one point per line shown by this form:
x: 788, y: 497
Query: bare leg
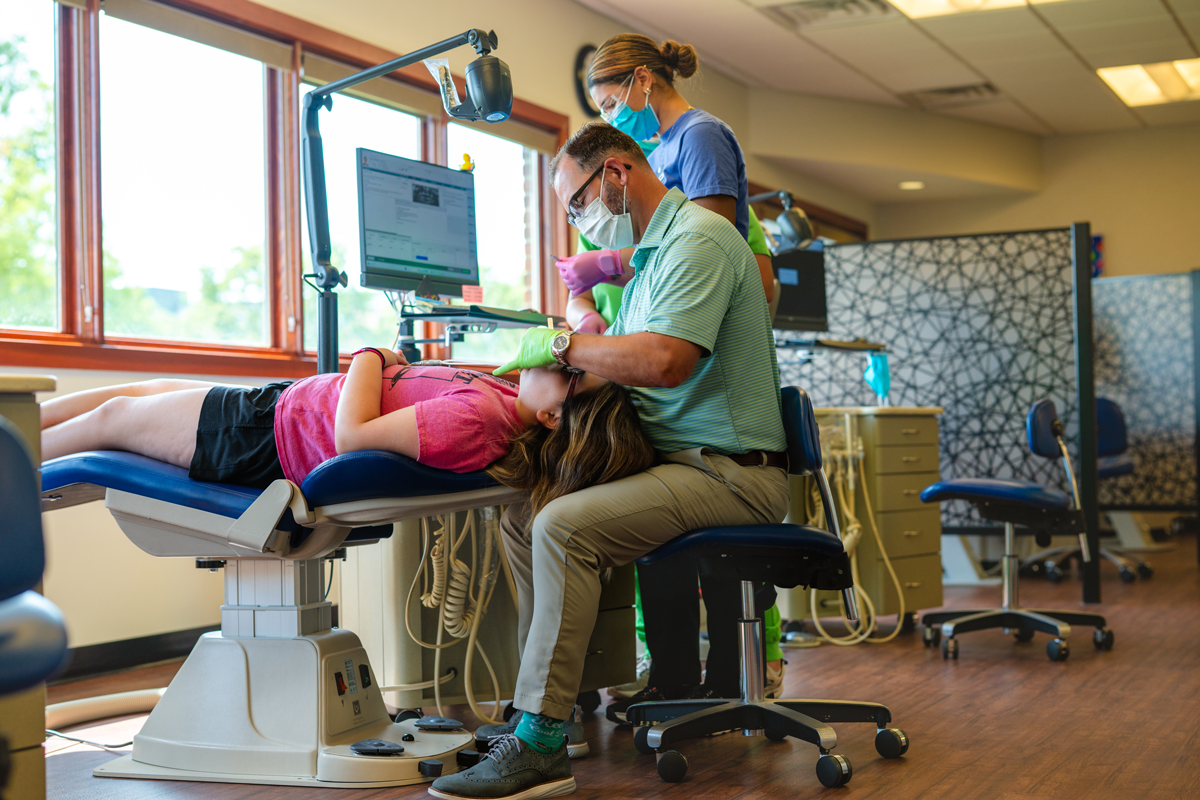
x: 61, y: 409
x: 161, y: 426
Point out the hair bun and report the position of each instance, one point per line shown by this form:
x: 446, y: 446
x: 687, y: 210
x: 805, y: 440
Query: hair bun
x: 681, y: 58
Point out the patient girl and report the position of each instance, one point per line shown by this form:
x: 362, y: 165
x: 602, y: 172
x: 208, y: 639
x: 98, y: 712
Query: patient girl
x: 555, y: 433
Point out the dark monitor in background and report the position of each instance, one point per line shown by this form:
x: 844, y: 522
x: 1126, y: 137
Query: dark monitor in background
x: 801, y: 275
x: 415, y: 221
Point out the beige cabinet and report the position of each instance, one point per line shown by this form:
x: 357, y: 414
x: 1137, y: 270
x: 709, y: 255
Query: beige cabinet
x: 899, y: 451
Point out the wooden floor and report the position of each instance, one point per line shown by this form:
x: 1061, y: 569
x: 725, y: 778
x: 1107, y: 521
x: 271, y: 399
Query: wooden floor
x: 1002, y: 722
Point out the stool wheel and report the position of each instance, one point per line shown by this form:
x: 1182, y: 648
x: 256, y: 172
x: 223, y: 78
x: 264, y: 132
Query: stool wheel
x: 1054, y: 573
x: 672, y: 766
x: 891, y: 742
x: 587, y: 701
x: 1103, y: 639
x: 950, y: 649
x: 1023, y: 635
x: 408, y: 713
x: 1128, y: 575
x: 834, y: 771
x: 1058, y: 650
x: 931, y: 635
x: 639, y: 740
x: 1145, y: 570
x: 774, y: 735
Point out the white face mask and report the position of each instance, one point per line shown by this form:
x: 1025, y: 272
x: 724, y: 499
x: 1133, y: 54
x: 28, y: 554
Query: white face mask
x: 602, y: 227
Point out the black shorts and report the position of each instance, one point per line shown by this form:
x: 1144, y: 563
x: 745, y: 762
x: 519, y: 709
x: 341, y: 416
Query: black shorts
x: 235, y: 438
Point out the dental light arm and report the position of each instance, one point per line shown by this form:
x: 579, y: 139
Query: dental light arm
x: 793, y: 222
x: 489, y: 97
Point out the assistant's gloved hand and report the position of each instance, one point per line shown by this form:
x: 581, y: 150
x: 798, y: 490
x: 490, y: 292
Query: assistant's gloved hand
x: 534, y: 351
x: 592, y: 322
x: 583, y: 271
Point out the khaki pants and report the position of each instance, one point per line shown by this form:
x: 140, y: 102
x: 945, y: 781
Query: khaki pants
x: 557, y: 560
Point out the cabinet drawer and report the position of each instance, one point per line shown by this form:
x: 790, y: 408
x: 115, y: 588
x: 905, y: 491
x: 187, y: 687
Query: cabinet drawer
x: 888, y: 431
x: 901, y: 492
x: 920, y: 580
x: 895, y: 460
x: 618, y: 592
x: 911, y: 533
x: 611, y: 652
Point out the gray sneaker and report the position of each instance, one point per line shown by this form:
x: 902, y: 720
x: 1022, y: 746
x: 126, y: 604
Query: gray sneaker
x: 577, y: 746
x: 511, y: 771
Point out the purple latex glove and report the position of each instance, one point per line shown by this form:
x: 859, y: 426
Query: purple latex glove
x: 592, y: 322
x: 583, y: 271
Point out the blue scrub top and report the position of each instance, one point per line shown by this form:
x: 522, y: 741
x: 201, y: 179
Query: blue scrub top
x: 700, y: 156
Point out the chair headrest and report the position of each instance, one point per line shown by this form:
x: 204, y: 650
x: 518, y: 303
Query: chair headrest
x: 1039, y: 427
x: 23, y: 558
x: 1112, y: 437
x: 803, y: 435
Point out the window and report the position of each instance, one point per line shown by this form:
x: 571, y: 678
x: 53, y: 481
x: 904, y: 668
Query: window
x: 365, y: 317
x: 507, y: 222
x: 183, y: 189
x: 28, y: 258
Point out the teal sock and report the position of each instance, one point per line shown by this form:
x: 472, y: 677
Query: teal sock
x: 543, y: 734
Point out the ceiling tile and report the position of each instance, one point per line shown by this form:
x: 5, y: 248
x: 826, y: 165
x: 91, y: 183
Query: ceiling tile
x: 1111, y: 33
x: 1005, y: 113
x: 1098, y: 12
x: 744, y: 44
x: 1070, y: 105
x: 1190, y: 20
x: 1171, y: 113
x: 895, y: 53
x: 1007, y: 34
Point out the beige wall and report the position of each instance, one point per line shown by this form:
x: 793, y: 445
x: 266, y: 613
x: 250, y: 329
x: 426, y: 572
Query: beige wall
x: 1140, y: 189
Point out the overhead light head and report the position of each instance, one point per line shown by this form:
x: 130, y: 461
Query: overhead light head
x: 795, y: 230
x: 489, y: 84
x: 912, y: 186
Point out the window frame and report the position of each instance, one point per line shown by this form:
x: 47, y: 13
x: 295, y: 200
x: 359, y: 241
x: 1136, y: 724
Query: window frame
x: 81, y: 343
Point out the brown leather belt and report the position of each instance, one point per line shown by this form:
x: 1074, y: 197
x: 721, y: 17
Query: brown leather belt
x: 761, y: 458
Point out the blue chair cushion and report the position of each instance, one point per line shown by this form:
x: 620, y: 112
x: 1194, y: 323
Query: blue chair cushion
x: 1112, y: 437
x: 147, y: 477
x: 369, y: 474
x: 782, y: 554
x: 1039, y: 428
x: 801, y: 430
x: 23, y: 557
x: 33, y: 642
x: 994, y: 489
x: 1115, y: 466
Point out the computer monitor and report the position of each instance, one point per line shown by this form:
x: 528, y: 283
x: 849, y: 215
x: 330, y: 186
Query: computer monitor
x: 801, y: 275
x: 415, y: 221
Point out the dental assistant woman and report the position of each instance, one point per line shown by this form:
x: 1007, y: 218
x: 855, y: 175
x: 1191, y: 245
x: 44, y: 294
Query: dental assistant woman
x: 632, y: 82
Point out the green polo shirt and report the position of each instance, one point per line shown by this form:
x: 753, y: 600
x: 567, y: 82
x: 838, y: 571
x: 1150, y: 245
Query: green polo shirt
x: 695, y: 278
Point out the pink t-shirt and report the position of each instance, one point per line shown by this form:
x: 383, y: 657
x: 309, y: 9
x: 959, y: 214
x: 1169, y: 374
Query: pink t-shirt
x: 464, y: 418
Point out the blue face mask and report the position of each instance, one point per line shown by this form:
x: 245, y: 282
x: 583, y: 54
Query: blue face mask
x: 640, y: 125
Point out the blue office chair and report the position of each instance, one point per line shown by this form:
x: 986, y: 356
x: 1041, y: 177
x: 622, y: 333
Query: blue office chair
x: 33, y: 640
x: 1112, y: 443
x: 1047, y: 512
x: 783, y: 555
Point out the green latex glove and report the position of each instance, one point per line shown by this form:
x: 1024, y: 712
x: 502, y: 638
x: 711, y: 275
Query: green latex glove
x: 534, y: 351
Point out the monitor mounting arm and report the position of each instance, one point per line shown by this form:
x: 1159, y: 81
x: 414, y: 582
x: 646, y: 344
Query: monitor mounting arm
x: 489, y: 98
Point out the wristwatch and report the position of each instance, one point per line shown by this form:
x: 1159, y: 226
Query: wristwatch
x: 559, y: 345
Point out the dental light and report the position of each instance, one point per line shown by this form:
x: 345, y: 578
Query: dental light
x: 489, y: 98
x: 794, y: 226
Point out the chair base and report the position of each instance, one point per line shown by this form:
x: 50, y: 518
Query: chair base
x: 1023, y: 622
x: 1054, y: 561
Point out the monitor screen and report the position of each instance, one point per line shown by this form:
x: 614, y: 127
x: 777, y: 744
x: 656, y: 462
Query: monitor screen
x: 415, y: 220
x: 801, y: 276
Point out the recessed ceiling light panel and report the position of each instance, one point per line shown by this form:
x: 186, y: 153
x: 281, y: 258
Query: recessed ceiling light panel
x: 1154, y: 84
x: 912, y: 186
x: 916, y: 9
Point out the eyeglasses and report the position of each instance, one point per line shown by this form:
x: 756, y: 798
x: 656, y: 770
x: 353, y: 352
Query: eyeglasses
x: 575, y: 215
x: 572, y: 383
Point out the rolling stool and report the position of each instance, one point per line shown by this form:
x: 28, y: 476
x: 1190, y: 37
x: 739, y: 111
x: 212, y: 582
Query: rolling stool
x: 783, y: 555
x: 1048, y: 512
x: 1112, y: 443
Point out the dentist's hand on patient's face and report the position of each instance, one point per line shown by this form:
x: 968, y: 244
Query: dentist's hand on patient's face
x: 591, y: 267
x: 533, y: 352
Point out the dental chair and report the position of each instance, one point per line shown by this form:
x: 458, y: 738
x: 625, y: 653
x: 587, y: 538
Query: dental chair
x: 784, y: 555
x: 278, y: 696
x: 1048, y: 512
x: 1112, y: 443
x: 33, y: 641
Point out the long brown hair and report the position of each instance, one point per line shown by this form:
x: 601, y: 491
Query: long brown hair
x: 598, y: 439
x: 618, y: 57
